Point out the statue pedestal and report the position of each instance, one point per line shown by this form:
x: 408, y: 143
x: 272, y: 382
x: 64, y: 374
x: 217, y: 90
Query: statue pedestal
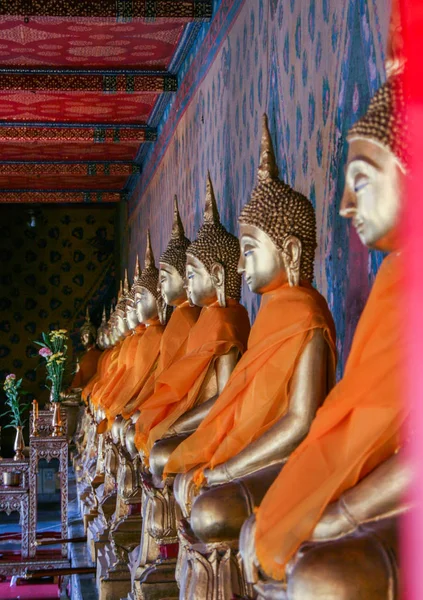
x: 157, y: 581
x: 208, y: 571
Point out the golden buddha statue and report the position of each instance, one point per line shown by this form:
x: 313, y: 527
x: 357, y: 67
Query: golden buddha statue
x: 146, y: 305
x: 86, y: 367
x: 187, y: 387
x: 272, y: 396
x: 215, y: 342
x: 326, y: 528
x: 171, y: 287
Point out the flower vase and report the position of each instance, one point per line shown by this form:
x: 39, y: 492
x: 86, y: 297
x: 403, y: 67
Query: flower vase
x: 57, y: 421
x: 19, y: 444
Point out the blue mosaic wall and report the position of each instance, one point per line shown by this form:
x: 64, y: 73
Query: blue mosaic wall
x: 312, y: 66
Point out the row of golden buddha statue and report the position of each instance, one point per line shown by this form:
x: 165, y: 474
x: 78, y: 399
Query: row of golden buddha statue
x: 215, y: 461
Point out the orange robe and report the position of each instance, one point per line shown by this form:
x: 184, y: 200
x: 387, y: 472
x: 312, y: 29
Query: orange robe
x: 140, y: 366
x: 101, y: 383
x: 356, y: 429
x: 102, y: 366
x: 215, y: 333
x: 173, y: 346
x: 258, y: 391
x: 125, y: 360
x: 87, y: 368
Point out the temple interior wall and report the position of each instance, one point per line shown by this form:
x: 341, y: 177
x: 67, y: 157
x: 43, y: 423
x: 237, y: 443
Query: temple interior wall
x: 312, y: 66
x: 50, y: 273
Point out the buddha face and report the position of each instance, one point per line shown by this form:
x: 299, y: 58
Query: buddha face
x: 261, y: 262
x: 121, y: 324
x: 372, y: 195
x: 171, y: 285
x: 114, y: 331
x: 201, y: 286
x: 87, y: 339
x: 146, y: 306
x: 131, y: 315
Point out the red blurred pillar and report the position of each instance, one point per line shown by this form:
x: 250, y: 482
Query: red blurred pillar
x: 412, y: 559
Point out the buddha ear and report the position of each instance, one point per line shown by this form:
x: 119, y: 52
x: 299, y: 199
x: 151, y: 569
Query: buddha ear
x: 218, y: 277
x: 292, y: 250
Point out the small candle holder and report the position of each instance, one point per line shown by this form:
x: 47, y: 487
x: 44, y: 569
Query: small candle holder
x: 35, y: 432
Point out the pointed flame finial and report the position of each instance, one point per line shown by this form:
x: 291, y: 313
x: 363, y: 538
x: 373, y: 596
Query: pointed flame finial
x: 211, y: 213
x: 87, y: 315
x: 126, y: 284
x: 137, y: 272
x: 104, y: 317
x: 177, y: 226
x: 149, y: 256
x: 268, y: 168
x: 120, y: 291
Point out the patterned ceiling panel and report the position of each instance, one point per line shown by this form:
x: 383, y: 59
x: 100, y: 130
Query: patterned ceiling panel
x: 83, y: 107
x: 87, y: 43
x: 86, y: 81
x: 56, y: 182
x: 182, y: 11
x: 37, y: 153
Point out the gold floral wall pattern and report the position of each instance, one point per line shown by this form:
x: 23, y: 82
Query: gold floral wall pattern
x: 54, y: 262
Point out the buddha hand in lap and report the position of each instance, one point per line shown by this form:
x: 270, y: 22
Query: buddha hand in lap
x: 345, y: 515
x: 272, y: 396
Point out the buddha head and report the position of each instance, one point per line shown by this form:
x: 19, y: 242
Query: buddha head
x: 107, y: 338
x: 113, y: 335
x: 277, y: 229
x: 100, y: 340
x: 88, y: 332
x: 131, y: 309
x: 120, y: 323
x: 378, y: 160
x: 211, y: 270
x: 147, y: 298
x: 173, y: 263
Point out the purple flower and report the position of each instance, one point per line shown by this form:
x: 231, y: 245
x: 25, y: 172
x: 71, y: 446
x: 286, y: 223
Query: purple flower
x: 45, y: 352
x: 10, y: 376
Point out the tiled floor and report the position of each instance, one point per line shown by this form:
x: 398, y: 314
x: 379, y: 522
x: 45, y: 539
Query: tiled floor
x: 83, y: 586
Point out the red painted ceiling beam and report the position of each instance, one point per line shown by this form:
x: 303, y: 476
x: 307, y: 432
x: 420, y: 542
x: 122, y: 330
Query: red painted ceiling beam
x: 75, y: 132
x: 175, y: 10
x: 11, y: 169
x: 95, y: 81
x: 58, y: 197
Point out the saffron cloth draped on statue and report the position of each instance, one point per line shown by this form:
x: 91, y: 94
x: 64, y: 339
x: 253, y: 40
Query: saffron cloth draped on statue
x: 257, y: 393
x: 142, y: 363
x: 173, y: 346
x: 87, y: 368
x: 356, y: 429
x: 124, y: 362
x: 215, y: 333
x: 108, y: 373
x: 102, y: 366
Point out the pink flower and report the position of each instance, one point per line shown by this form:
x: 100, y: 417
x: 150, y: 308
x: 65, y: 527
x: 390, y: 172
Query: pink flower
x: 10, y: 376
x: 44, y: 352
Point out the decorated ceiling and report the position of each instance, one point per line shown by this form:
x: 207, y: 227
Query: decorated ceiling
x: 82, y: 88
